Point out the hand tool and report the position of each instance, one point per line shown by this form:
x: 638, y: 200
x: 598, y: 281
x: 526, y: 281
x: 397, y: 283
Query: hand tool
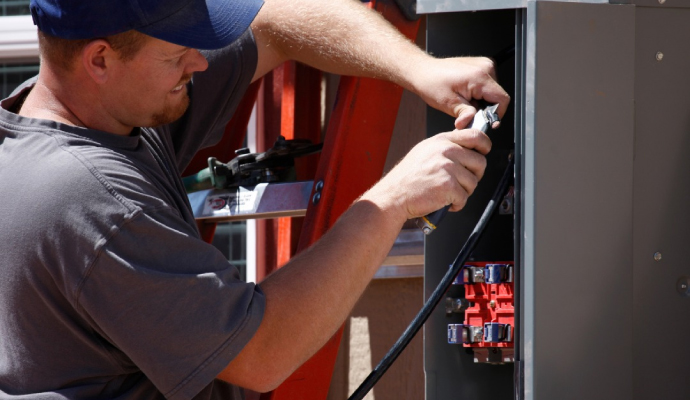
x: 484, y: 120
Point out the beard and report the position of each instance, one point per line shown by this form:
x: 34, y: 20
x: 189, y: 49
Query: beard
x: 171, y: 112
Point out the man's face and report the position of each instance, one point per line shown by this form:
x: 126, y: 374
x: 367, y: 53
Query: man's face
x: 150, y: 89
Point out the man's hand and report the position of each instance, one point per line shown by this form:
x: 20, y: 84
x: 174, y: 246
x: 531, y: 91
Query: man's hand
x: 439, y: 171
x: 450, y: 85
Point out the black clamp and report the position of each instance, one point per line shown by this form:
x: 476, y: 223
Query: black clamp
x: 249, y: 169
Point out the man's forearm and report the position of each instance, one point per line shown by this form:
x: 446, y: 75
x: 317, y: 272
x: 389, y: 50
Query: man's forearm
x: 347, y: 38
x: 338, y: 36
x: 310, y: 297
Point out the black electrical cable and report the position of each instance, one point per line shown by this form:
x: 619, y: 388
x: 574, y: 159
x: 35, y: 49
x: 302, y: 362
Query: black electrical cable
x: 440, y: 290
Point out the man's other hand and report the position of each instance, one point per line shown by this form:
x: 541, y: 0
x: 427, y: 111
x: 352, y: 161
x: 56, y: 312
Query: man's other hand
x: 438, y: 171
x: 452, y: 84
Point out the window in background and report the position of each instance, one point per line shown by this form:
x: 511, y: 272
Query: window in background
x: 14, y: 7
x: 231, y: 240
x: 11, y: 75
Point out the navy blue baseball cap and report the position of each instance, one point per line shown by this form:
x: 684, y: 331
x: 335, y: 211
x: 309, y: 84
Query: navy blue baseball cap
x: 199, y: 24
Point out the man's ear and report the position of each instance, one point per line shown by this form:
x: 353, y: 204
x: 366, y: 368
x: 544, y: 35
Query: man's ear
x: 98, y: 58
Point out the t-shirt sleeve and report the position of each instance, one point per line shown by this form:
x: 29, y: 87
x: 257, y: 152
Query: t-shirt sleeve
x: 170, y: 302
x: 214, y: 96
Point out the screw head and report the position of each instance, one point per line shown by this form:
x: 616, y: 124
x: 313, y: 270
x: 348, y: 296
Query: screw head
x: 659, y: 56
x: 662, y: 1
x: 492, y: 304
x: 657, y: 256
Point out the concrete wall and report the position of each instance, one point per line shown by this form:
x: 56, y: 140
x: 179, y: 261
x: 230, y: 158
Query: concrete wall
x: 379, y: 318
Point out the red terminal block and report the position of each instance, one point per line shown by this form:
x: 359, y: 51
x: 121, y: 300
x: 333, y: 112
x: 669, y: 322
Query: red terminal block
x: 489, y: 288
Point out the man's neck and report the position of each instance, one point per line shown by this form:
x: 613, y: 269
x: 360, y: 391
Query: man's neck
x: 46, y: 102
x: 42, y: 103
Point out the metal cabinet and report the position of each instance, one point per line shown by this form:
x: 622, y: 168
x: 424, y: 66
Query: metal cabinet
x: 599, y: 121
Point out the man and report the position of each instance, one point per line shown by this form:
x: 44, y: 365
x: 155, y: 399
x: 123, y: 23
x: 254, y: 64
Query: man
x: 107, y: 290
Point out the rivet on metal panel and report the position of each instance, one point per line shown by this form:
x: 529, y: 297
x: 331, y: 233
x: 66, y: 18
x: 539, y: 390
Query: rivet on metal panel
x: 317, y: 196
x: 506, y: 206
x: 659, y: 56
x: 657, y: 256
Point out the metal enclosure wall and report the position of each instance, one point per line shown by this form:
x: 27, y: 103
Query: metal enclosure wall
x: 578, y: 178
x: 601, y: 98
x: 661, y: 221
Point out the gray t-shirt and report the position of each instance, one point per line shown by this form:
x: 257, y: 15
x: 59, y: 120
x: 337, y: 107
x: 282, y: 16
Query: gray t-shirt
x: 106, y: 290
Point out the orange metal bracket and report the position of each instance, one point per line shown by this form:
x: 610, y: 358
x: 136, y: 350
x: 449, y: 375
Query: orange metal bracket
x: 289, y: 105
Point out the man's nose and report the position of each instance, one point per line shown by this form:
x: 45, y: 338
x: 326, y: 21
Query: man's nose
x: 197, y: 62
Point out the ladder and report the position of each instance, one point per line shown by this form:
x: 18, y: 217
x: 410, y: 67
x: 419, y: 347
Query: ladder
x: 353, y: 157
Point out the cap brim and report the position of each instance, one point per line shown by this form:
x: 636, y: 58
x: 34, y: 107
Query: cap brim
x: 206, y: 24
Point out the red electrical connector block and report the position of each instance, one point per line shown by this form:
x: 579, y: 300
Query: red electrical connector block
x: 489, y: 325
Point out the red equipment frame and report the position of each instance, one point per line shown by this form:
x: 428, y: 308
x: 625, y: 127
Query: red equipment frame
x: 352, y: 160
x: 493, y: 302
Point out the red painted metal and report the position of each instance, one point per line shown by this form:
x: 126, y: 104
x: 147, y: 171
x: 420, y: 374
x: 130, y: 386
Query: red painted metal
x: 353, y: 159
x: 268, y: 129
x: 284, y: 226
x: 289, y: 105
x: 300, y: 119
x: 308, y: 118
x: 207, y: 230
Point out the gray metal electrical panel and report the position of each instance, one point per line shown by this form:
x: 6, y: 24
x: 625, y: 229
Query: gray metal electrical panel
x: 600, y: 126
